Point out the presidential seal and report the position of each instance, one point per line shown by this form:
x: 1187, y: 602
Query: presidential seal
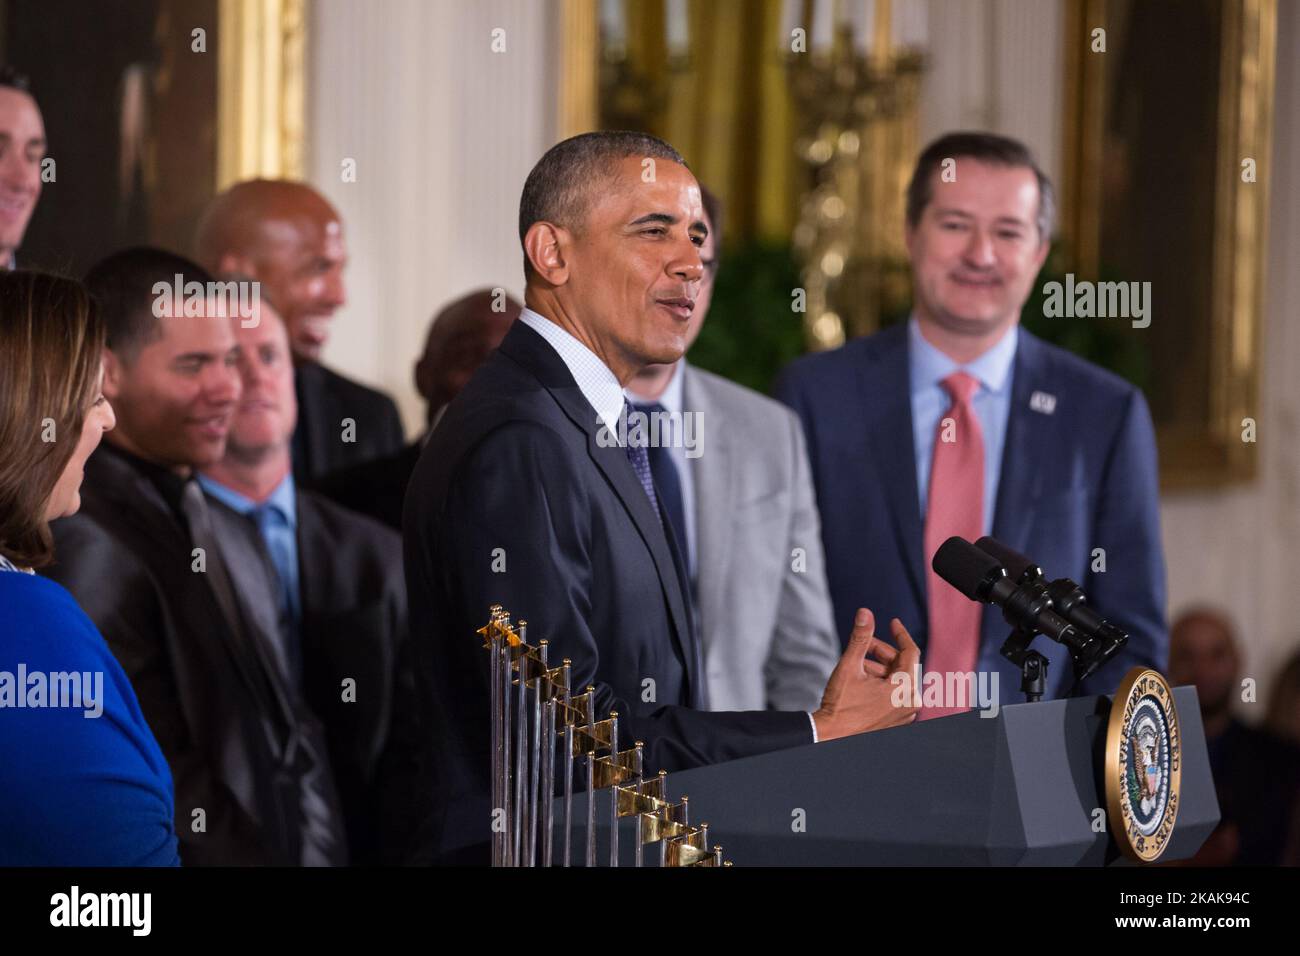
x: 1143, y: 759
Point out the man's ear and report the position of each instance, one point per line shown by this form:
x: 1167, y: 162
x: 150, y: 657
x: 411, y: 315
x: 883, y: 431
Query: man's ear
x: 1044, y: 247
x: 423, y: 377
x: 112, y: 375
x: 547, y: 246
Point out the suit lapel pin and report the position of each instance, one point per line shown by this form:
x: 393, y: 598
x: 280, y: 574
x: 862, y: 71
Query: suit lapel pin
x: 1043, y: 403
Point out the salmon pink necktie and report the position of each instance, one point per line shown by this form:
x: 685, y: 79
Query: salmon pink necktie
x: 955, y: 507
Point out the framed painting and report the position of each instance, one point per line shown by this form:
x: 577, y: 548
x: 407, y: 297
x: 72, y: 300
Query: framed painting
x: 1167, y: 127
x: 151, y: 107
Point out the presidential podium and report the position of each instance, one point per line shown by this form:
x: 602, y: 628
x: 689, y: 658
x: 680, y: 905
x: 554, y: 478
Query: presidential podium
x: 1022, y: 788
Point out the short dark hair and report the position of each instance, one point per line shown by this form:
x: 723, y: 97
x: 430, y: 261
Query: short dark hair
x: 122, y: 287
x: 13, y: 79
x: 561, y: 186
x: 985, y: 148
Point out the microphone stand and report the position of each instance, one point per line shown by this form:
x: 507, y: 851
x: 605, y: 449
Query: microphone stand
x: 1087, y: 654
x: 1033, y: 665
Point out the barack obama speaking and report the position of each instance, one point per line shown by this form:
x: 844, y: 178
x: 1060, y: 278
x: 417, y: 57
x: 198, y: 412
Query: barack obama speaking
x: 525, y: 497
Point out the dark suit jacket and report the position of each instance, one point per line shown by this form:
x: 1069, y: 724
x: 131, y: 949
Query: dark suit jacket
x: 374, y: 488
x: 1079, y: 478
x: 514, y: 472
x: 354, y: 627
x: 325, y: 400
x: 126, y: 557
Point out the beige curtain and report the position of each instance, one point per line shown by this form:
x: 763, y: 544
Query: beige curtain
x: 728, y: 109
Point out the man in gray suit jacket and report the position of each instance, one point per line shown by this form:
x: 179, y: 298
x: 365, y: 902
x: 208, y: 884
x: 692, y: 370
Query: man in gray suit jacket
x: 735, y: 478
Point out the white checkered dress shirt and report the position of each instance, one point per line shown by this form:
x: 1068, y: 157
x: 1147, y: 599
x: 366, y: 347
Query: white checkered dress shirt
x: 596, y: 382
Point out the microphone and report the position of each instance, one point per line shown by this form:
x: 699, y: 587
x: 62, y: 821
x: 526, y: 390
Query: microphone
x: 1019, y: 568
x: 1067, y: 597
x: 981, y: 577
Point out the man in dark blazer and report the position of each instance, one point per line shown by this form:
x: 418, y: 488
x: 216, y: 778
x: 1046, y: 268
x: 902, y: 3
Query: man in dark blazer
x: 461, y: 337
x: 289, y: 238
x: 343, y: 422
x: 331, y: 582
x: 143, y: 557
x: 1064, y: 465
x: 527, y: 496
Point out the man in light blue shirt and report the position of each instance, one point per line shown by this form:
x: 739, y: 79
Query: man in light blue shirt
x: 277, y: 521
x: 993, y: 369
x: 325, y: 591
x: 255, y: 477
x: 1008, y: 436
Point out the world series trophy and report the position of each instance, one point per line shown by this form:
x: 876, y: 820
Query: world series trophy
x: 537, y: 721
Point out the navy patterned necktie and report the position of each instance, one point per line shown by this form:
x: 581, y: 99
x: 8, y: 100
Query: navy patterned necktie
x: 668, y: 484
x: 640, y: 459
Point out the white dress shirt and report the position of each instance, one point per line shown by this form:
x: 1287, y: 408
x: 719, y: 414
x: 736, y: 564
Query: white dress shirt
x: 597, y: 383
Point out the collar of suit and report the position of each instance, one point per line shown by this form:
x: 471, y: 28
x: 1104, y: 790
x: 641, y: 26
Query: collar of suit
x: 594, y: 378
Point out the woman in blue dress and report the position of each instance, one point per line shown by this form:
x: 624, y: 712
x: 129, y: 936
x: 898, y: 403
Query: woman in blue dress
x: 82, y: 781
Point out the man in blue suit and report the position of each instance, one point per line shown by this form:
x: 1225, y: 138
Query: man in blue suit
x: 1007, y: 435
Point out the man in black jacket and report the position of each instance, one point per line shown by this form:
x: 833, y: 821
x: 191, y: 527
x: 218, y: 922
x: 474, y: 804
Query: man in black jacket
x: 289, y: 238
x: 334, y: 581
x: 147, y: 560
x: 528, y: 496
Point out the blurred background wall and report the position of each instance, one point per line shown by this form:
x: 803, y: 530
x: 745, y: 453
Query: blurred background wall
x: 443, y: 131
x: 1239, y: 547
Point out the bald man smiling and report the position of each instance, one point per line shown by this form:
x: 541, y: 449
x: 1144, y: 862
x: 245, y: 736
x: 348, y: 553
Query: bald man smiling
x: 289, y: 238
